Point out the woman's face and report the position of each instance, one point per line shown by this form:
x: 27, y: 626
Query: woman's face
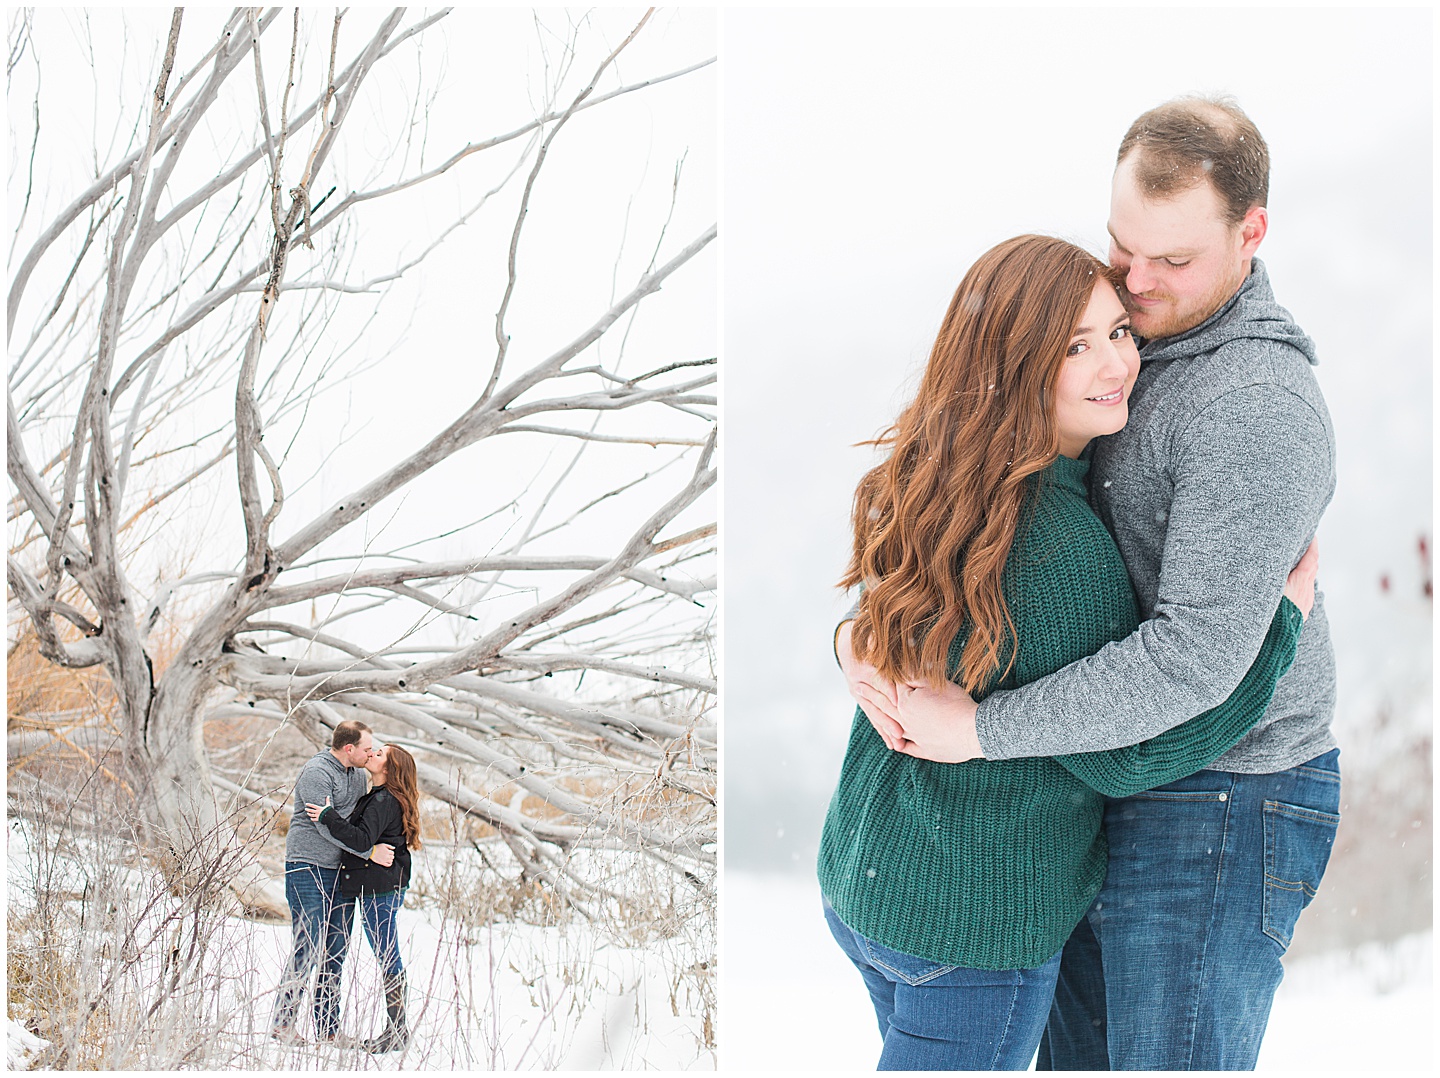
x: 1092, y: 397
x: 376, y: 766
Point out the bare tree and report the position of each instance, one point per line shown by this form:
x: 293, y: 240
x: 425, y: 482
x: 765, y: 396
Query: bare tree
x: 180, y: 330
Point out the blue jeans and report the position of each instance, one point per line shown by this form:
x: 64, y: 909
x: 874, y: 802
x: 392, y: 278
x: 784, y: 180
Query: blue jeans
x: 1178, y: 960
x: 377, y: 914
x: 320, y: 920
x: 935, y: 1016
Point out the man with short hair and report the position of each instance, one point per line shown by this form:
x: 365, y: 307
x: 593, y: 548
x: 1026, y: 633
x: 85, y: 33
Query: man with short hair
x: 1213, y: 490
x: 320, y: 918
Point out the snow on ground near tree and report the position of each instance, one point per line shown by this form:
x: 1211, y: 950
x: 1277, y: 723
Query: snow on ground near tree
x: 529, y: 998
x: 21, y: 1046
x: 498, y: 996
x: 520, y: 997
x: 790, y: 1000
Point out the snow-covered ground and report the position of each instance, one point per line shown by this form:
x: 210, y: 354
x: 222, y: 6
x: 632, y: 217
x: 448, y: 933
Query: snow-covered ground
x: 21, y: 1046
x: 512, y: 996
x: 502, y: 995
x: 791, y: 1001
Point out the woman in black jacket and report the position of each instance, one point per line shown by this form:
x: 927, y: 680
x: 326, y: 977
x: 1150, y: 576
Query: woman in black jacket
x: 389, y: 813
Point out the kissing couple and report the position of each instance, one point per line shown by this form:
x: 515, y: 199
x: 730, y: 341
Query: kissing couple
x: 356, y: 817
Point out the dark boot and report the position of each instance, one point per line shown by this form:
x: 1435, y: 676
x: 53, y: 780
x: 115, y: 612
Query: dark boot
x: 395, y: 1036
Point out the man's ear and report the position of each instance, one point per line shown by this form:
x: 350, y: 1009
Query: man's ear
x: 1252, y: 230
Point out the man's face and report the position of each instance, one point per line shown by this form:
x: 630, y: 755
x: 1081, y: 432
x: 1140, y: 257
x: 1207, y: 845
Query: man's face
x: 356, y: 755
x: 1183, y: 259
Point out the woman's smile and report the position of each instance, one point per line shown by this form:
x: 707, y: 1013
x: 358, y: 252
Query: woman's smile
x: 1115, y: 396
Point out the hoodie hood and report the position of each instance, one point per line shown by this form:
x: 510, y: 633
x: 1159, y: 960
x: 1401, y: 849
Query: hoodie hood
x: 1251, y: 313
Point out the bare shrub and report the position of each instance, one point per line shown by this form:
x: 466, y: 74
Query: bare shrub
x: 109, y: 960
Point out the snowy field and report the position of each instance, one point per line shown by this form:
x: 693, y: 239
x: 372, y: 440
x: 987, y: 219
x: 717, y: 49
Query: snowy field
x: 483, y: 996
x: 512, y: 997
x: 792, y: 1002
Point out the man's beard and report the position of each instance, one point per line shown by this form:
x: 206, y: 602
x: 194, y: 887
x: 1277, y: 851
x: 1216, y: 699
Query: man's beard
x: 1171, y: 319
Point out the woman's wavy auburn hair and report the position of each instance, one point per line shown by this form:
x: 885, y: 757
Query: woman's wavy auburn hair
x: 404, y: 786
x: 935, y: 521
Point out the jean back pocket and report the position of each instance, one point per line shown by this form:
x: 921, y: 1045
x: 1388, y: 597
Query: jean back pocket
x: 911, y: 969
x: 1298, y: 842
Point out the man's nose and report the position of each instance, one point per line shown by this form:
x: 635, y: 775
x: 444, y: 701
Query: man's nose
x: 1139, y: 278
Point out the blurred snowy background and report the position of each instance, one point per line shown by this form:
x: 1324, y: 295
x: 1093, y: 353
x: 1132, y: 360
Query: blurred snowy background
x: 869, y: 158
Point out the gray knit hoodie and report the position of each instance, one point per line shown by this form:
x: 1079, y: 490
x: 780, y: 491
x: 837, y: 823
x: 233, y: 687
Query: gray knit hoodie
x: 1212, y: 490
x: 323, y: 777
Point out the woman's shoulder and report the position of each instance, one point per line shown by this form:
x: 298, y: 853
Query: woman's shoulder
x: 1066, y: 585
x: 382, y: 797
x: 1064, y: 552
x: 377, y: 800
x: 1059, y: 529
x: 386, y: 806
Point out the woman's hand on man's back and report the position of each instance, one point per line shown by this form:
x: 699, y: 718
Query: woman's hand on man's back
x: 1300, y: 584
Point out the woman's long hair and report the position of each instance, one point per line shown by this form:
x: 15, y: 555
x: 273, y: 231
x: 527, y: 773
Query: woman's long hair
x: 404, y: 786
x: 950, y: 495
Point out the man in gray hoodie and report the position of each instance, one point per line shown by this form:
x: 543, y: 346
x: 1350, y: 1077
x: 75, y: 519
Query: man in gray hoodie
x: 320, y: 919
x: 1213, y: 490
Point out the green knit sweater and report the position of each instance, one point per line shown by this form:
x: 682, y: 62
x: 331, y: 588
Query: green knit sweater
x: 991, y: 863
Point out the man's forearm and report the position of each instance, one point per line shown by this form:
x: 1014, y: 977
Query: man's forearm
x: 1196, y: 743
x: 1126, y: 693
x: 835, y: 641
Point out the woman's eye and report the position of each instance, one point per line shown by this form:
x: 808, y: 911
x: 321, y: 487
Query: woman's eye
x: 1119, y: 333
x: 1076, y: 348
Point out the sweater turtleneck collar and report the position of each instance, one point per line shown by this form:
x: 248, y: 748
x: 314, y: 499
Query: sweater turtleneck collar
x: 1069, y: 473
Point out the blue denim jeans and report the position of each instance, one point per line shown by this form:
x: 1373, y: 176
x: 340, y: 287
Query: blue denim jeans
x: 320, y: 920
x: 1178, y: 960
x: 935, y: 1016
x: 377, y: 914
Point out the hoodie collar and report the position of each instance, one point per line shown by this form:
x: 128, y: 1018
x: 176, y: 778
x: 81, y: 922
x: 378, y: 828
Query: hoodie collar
x: 1250, y: 313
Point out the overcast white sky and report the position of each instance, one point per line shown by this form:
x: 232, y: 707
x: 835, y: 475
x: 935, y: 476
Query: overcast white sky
x: 596, y: 218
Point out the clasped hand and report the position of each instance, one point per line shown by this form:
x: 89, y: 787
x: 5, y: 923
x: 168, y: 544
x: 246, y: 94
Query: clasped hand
x: 919, y: 720
x: 383, y: 854
x: 939, y: 723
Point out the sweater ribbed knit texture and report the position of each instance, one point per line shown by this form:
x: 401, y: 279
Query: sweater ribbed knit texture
x: 991, y: 863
